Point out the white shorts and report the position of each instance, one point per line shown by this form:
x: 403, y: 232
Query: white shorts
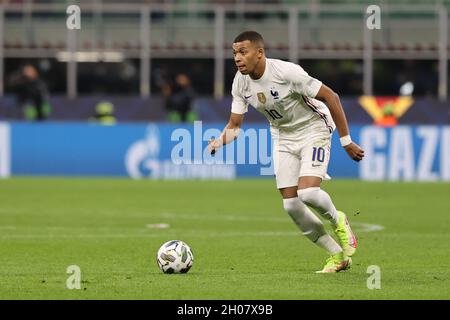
x: 294, y: 159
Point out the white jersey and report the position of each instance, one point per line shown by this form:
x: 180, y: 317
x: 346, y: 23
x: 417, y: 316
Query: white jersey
x: 285, y: 95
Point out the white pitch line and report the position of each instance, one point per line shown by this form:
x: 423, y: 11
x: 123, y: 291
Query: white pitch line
x: 157, y: 225
x: 360, y: 226
x: 357, y: 226
x: 196, y: 233
x: 86, y: 232
x: 199, y: 234
x: 366, y: 227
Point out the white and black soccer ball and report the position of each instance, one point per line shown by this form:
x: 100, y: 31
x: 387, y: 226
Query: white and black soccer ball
x: 175, y: 256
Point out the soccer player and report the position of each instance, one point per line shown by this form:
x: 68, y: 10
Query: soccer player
x: 303, y: 114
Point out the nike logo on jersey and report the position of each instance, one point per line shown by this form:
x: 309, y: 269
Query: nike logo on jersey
x: 247, y: 97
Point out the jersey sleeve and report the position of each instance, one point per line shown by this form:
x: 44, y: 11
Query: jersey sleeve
x: 303, y: 82
x: 238, y: 105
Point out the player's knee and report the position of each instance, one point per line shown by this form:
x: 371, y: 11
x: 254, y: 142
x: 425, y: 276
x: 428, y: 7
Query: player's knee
x: 292, y: 204
x: 309, y: 195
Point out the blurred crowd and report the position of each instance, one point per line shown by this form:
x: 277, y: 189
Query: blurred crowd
x: 123, y: 78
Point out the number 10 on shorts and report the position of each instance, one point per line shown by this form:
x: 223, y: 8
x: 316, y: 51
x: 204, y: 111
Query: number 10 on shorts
x: 318, y: 154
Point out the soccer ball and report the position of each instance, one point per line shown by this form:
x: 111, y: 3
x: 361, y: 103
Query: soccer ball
x: 175, y: 256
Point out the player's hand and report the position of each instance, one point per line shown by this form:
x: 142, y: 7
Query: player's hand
x: 354, y: 151
x: 213, y: 145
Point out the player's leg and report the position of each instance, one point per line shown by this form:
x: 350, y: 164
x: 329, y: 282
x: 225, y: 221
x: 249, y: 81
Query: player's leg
x: 310, y: 193
x: 306, y: 220
x: 315, y: 157
x: 338, y: 260
x: 287, y: 167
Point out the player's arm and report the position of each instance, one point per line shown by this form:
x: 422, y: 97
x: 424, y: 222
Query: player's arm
x: 229, y: 133
x: 331, y: 99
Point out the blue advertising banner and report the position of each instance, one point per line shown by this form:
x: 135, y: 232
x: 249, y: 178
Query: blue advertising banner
x: 169, y: 151
x: 359, y: 110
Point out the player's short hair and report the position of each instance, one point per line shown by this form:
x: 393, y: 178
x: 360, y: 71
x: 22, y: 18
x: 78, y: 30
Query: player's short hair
x: 252, y: 36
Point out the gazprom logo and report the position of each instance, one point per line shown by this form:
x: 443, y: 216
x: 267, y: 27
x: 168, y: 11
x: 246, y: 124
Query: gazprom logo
x: 5, y: 150
x: 142, y: 156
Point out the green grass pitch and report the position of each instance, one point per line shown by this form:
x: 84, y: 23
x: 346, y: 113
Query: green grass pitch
x: 245, y: 246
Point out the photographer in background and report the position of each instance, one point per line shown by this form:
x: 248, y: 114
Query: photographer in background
x: 31, y: 93
x: 179, y: 98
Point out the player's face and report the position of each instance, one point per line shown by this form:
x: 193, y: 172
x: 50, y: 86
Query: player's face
x: 246, y: 56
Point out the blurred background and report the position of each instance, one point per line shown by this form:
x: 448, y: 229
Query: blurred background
x: 169, y: 62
